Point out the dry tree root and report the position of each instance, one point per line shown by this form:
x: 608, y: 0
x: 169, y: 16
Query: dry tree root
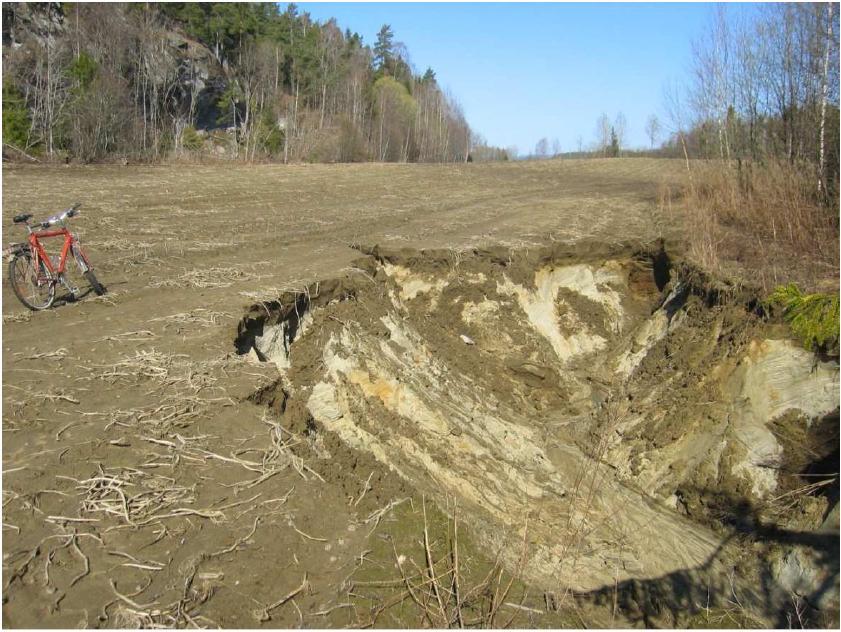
x: 23, y: 567
x: 70, y: 540
x: 77, y: 549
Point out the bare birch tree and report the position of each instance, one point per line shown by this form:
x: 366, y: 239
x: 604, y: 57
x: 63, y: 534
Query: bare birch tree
x: 603, y: 133
x: 652, y: 129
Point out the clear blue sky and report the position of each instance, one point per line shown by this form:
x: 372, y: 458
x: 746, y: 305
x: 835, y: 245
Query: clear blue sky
x: 524, y: 71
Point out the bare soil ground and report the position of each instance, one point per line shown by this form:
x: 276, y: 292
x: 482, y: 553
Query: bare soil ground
x: 144, y: 483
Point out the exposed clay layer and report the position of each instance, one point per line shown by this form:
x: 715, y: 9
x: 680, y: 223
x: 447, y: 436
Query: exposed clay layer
x: 597, y: 395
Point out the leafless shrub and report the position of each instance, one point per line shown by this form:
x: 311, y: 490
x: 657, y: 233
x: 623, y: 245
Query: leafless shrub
x: 444, y: 593
x: 782, y: 504
x: 762, y: 221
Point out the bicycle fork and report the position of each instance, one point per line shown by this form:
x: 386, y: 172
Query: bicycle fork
x: 83, y: 266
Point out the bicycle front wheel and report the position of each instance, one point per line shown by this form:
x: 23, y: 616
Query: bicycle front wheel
x: 87, y: 270
x: 34, y: 288
x: 94, y: 283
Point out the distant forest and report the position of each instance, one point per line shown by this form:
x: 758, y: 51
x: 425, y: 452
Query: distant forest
x: 246, y: 81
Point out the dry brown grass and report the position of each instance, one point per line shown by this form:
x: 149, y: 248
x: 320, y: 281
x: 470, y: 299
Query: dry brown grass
x: 17, y: 317
x: 199, y: 316
x: 764, y: 223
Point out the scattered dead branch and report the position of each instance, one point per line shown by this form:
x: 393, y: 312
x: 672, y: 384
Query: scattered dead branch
x: 326, y: 611
x: 306, y: 535
x: 151, y: 364
x: 111, y: 298
x: 51, y: 396
x: 265, y: 614
x: 136, y: 563
x: 379, y: 514
x: 47, y: 355
x: 269, y: 294
x: 134, y: 496
x: 129, y: 336
x: 239, y: 542
x: 280, y: 455
x: 365, y: 488
x: 176, y: 412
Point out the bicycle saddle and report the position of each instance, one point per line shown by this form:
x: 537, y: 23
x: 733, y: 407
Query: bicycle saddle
x: 19, y: 219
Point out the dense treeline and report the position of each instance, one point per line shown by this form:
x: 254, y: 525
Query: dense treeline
x: 765, y: 87
x: 90, y: 81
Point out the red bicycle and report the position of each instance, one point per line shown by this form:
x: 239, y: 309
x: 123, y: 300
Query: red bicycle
x: 33, y: 274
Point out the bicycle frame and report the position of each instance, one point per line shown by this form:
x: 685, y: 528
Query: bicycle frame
x: 41, y: 254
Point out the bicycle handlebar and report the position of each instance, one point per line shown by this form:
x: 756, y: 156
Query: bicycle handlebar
x: 60, y: 217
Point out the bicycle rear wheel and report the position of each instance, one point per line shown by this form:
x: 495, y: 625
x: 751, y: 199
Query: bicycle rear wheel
x: 34, y: 288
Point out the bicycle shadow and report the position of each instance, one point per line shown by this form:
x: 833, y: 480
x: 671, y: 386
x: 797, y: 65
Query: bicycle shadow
x: 68, y: 298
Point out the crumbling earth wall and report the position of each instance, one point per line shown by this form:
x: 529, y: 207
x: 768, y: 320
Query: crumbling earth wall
x: 592, y: 400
